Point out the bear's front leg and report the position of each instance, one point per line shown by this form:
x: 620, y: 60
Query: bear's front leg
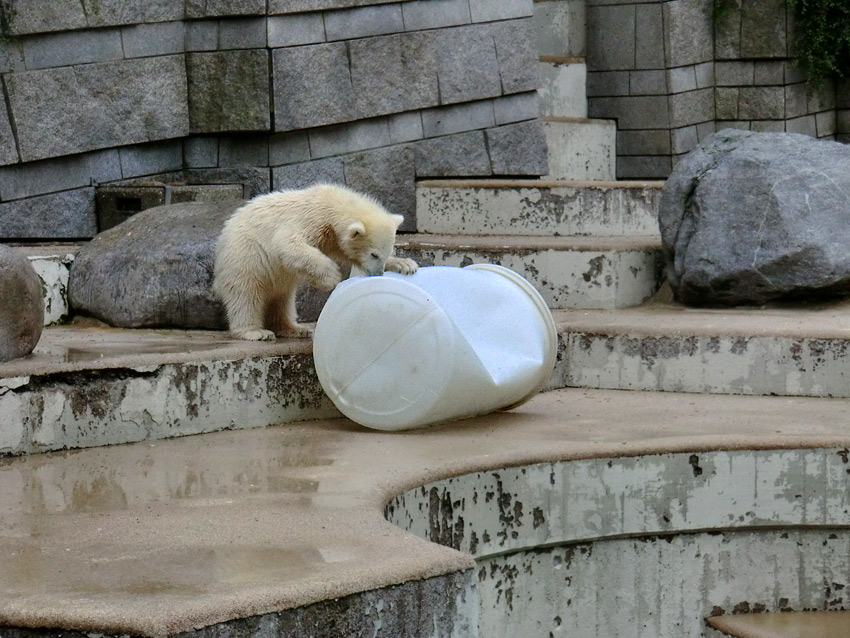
x: 401, y: 265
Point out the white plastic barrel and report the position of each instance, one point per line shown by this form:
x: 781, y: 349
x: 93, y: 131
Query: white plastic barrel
x: 403, y: 351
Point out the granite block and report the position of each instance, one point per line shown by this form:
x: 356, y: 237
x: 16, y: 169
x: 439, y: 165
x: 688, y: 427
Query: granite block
x: 237, y: 151
x: 692, y: 107
x: 796, y: 100
x: 296, y: 29
x: 607, y: 83
x: 611, y: 38
x: 806, y: 125
x: 516, y: 51
x: 201, y: 35
x: 304, y: 174
x: 464, y: 154
x: 66, y: 49
x: 761, y: 103
x: 767, y: 73
x: 161, y: 38
x: 435, y: 14
x: 200, y: 152
x: 64, y: 215
x: 688, y: 32
x: 467, y: 64
x: 49, y: 176
x: 392, y: 74
x: 150, y: 159
x: 242, y: 33
x: 229, y: 91
x: 635, y: 112
x: 516, y: 108
x: 682, y: 79
x: 458, y: 118
x: 362, y: 22
x: 348, y: 138
x: 763, y: 29
x: 726, y: 103
x: 405, y: 127
x: 289, y: 148
x: 518, y: 149
x: 648, y: 83
x: 684, y: 139
x: 649, y: 37
x: 8, y: 147
x: 644, y: 166
x: 826, y: 124
x: 76, y: 109
x: 387, y: 174
x: 312, y: 86
x: 734, y: 73
x: 220, y: 8
x: 643, y: 142
x: 490, y: 10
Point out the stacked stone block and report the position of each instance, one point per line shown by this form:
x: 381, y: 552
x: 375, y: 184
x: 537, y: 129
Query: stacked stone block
x: 370, y: 93
x: 671, y: 72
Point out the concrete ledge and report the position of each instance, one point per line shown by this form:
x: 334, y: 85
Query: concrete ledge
x: 91, y: 387
x: 800, y: 624
x: 785, y: 350
x: 581, y: 149
x: 570, y: 272
x: 241, y: 531
x: 538, y: 208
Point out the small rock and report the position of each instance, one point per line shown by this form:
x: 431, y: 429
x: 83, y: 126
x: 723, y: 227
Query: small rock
x: 22, y: 306
x: 749, y: 217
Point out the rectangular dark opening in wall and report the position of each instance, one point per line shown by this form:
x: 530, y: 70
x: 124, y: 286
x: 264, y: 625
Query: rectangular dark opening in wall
x: 128, y: 204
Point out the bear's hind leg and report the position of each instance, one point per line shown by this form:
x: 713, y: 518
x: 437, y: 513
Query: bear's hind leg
x: 283, y: 317
x: 245, y: 315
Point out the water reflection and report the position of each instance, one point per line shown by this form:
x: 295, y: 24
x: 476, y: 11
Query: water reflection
x: 130, y: 476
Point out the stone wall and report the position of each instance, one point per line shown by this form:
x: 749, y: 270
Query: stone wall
x: 270, y: 95
x: 671, y: 72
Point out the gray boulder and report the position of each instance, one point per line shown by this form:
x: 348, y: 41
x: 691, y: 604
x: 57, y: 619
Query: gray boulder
x: 156, y: 270
x: 21, y: 305
x: 153, y: 270
x: 748, y: 217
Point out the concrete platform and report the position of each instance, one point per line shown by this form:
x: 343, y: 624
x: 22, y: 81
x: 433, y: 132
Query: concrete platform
x: 793, y: 349
x: 801, y: 624
x: 569, y: 272
x: 538, y: 207
x: 282, y: 530
x: 581, y: 148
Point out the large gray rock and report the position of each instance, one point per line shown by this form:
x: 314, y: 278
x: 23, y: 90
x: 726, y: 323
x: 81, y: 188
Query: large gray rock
x: 156, y: 270
x: 750, y: 217
x: 153, y: 270
x: 21, y: 305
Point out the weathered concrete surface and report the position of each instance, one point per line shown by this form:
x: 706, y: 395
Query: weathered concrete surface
x: 52, y: 265
x: 537, y: 207
x: 88, y: 386
x: 581, y: 148
x: 117, y: 540
x: 570, y: 272
x: 795, y: 351
x: 653, y: 541
x: 21, y: 309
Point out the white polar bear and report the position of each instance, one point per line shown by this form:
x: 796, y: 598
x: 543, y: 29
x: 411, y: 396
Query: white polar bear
x: 279, y: 240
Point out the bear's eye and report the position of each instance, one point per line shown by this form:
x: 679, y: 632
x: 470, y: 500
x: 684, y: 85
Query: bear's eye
x: 375, y: 256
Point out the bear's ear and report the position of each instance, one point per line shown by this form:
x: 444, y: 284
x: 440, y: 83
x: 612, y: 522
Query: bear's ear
x: 354, y: 230
x: 397, y: 219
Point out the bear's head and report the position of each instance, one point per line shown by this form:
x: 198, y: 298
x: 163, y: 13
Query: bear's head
x: 368, y: 243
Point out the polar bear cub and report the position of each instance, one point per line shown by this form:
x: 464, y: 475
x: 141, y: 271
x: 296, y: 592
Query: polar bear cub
x: 279, y: 240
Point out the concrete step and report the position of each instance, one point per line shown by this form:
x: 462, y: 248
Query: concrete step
x: 563, y: 87
x: 570, y: 272
x: 88, y: 385
x: 52, y: 263
x: 662, y: 346
x: 581, y: 149
x: 792, y: 624
x: 537, y: 207
x: 329, y: 530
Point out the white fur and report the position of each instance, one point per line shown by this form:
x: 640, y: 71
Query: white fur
x: 279, y: 240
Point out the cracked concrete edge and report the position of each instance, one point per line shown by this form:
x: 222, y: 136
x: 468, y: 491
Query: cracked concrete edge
x: 88, y: 408
x: 444, y: 605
